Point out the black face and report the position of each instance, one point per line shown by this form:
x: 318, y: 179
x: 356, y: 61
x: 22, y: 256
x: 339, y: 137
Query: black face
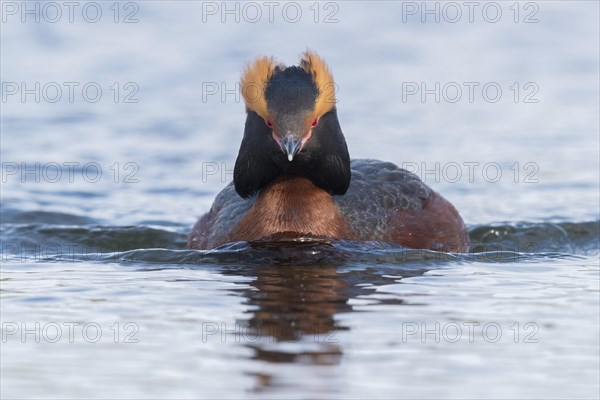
x: 323, y: 157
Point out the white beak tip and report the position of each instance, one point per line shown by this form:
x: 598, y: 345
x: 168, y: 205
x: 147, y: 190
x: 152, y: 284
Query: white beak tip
x: 290, y: 157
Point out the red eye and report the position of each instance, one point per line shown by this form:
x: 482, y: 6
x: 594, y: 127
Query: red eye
x: 314, y: 123
x: 269, y: 123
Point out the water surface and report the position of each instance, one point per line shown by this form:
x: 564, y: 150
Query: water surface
x: 101, y: 299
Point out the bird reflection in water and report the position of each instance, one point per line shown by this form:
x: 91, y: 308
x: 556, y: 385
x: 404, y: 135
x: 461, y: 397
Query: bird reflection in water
x: 297, y: 304
x: 293, y: 305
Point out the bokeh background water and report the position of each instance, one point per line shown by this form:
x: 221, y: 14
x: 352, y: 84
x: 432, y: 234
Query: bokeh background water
x: 100, y: 299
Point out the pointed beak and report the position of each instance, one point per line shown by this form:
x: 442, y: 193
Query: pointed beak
x: 291, y: 145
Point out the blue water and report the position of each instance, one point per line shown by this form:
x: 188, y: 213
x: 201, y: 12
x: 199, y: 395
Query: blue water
x: 100, y: 298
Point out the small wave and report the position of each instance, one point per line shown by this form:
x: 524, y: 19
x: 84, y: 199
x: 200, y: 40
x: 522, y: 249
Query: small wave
x: 581, y: 238
x: 11, y: 216
x: 64, y: 237
x: 291, y: 253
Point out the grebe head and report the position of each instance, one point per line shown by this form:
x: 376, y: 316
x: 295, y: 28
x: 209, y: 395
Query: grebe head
x: 291, y: 127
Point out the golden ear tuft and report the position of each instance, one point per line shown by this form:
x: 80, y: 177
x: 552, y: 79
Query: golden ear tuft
x: 254, y: 83
x: 318, y: 69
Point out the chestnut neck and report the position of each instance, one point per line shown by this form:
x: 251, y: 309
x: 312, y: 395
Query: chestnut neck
x: 292, y: 204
